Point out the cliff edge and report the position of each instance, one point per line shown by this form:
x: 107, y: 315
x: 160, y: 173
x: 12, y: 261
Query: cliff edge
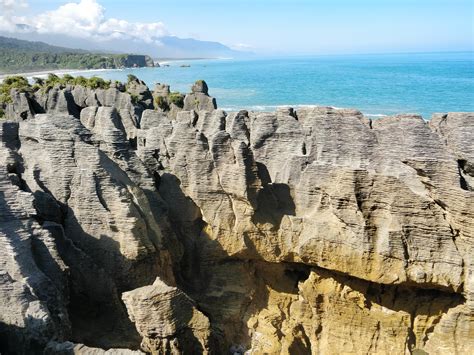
x: 148, y: 221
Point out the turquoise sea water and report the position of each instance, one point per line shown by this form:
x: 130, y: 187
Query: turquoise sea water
x: 375, y: 84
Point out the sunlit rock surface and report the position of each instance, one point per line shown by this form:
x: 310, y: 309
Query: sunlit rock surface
x: 128, y: 227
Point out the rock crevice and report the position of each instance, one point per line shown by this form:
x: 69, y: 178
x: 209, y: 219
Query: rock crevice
x: 133, y: 222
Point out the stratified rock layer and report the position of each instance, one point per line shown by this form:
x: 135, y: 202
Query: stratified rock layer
x: 167, y: 320
x: 190, y: 230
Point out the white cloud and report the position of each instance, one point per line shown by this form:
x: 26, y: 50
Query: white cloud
x: 84, y: 19
x: 8, y: 6
x: 7, y: 9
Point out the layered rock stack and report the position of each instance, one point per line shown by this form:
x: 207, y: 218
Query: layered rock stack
x: 179, y: 228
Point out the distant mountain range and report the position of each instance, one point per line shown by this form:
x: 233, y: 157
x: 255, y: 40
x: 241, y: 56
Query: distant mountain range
x: 185, y: 47
x: 163, y: 47
x: 8, y: 43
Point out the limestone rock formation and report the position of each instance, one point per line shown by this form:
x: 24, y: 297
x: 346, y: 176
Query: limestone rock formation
x: 20, y: 106
x: 199, y: 98
x: 352, y: 196
x: 138, y: 89
x: 129, y: 227
x: 134, y: 61
x: 167, y: 320
x: 161, y: 90
x: 68, y: 348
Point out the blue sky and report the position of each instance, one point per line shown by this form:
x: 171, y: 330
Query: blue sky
x: 303, y: 26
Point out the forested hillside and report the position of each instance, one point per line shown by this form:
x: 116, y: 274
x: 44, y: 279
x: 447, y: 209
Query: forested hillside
x: 18, y: 55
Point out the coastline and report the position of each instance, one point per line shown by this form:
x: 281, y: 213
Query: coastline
x: 45, y: 73
x: 273, y: 108
x: 309, y: 82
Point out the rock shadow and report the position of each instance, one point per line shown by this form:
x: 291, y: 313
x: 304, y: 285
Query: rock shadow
x: 35, y: 262
x: 274, y: 200
x: 19, y: 340
x: 231, y: 290
x: 98, y: 316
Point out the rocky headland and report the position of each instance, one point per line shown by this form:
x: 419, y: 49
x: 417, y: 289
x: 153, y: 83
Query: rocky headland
x: 18, y: 56
x: 139, y: 221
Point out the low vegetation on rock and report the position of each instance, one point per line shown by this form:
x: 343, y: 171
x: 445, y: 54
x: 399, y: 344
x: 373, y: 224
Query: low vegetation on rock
x: 161, y: 103
x: 22, y: 85
x: 176, y: 98
x: 18, y: 83
x: 131, y: 78
x: 16, y: 92
x: 138, y: 93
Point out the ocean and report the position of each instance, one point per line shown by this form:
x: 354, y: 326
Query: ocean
x: 377, y: 85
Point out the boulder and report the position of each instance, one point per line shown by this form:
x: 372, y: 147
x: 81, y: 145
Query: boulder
x: 20, y: 108
x: 198, y: 99
x: 167, y: 320
x: 161, y: 90
x: 141, y: 93
x: 200, y: 87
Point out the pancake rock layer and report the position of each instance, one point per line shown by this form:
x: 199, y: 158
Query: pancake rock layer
x: 160, y: 224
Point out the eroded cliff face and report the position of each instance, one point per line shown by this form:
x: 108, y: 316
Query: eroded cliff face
x: 178, y: 230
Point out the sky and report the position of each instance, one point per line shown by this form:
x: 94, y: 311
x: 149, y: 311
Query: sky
x: 262, y: 26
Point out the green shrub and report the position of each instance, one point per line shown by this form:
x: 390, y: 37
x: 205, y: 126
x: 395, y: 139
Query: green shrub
x: 98, y: 83
x: 2, y: 114
x: 135, y: 99
x: 81, y: 81
x: 38, y: 81
x: 52, y: 80
x: 177, y: 99
x: 161, y: 102
x: 120, y: 86
x: 17, y: 82
x: 67, y: 79
x: 130, y: 78
x: 13, y: 82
